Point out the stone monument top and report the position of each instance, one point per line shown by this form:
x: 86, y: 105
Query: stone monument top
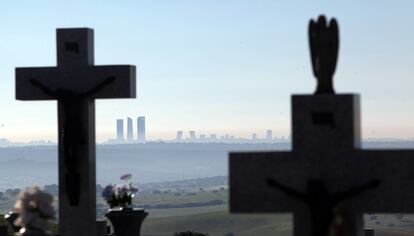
x: 324, y: 45
x: 325, y: 119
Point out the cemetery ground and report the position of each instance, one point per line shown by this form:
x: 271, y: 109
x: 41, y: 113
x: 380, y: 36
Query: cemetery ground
x: 175, y: 206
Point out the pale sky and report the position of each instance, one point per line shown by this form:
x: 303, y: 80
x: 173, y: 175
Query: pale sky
x: 214, y: 66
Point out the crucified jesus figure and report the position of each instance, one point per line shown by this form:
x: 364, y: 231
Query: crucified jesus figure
x: 72, y: 131
x: 321, y: 202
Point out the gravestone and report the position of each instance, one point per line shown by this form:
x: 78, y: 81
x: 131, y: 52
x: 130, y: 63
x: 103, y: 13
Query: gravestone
x: 326, y: 178
x: 75, y: 83
x: 369, y: 232
x: 101, y: 228
x: 4, y: 230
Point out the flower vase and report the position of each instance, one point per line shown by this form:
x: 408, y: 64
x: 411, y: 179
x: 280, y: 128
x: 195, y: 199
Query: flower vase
x: 126, y: 221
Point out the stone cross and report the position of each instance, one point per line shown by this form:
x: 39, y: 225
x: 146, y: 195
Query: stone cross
x: 75, y: 83
x: 327, y: 177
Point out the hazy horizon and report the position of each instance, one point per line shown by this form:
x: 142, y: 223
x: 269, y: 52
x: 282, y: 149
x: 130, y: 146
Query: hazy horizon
x: 223, y: 67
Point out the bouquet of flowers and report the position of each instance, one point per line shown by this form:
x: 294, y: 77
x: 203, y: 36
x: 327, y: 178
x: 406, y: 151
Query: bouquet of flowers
x: 120, y: 195
x: 35, y: 208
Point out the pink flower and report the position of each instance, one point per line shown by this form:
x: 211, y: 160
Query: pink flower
x: 126, y: 176
x: 121, y: 189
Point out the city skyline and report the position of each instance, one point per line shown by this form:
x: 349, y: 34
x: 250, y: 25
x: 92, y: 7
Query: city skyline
x: 215, y: 67
x: 197, y: 139
x: 129, y: 137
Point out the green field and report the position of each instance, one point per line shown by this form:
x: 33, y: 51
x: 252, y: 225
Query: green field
x: 220, y: 223
x: 215, y: 219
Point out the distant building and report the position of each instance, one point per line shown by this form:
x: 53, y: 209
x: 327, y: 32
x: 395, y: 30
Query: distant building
x: 130, y: 131
x: 213, y: 136
x: 141, y: 128
x: 4, y: 142
x: 254, y: 136
x: 120, y: 130
x: 269, y: 135
x: 192, y: 135
x: 202, y: 137
x: 179, y: 135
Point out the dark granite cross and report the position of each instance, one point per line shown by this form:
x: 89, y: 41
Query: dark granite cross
x: 75, y: 83
x: 326, y: 176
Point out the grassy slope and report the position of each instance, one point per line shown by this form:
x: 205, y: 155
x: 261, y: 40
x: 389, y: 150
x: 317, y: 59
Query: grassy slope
x: 215, y: 220
x: 155, y: 213
x: 392, y: 232
x: 220, y: 223
x: 170, y: 198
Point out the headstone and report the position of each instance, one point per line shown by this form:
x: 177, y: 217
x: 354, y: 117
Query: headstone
x: 100, y: 228
x: 4, y: 230
x: 75, y: 83
x: 326, y: 177
x: 369, y: 232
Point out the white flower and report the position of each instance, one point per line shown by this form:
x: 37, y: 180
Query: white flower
x: 34, y: 207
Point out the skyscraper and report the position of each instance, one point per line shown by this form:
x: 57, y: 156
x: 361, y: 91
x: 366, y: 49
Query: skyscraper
x: 120, y: 130
x: 130, y: 131
x: 254, y: 136
x: 141, y: 128
x: 269, y: 135
x: 193, y: 136
x: 179, y: 135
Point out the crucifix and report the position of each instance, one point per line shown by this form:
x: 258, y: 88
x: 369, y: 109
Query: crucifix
x: 326, y: 176
x: 75, y: 83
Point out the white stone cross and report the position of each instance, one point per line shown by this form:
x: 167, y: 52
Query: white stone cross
x: 75, y: 83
